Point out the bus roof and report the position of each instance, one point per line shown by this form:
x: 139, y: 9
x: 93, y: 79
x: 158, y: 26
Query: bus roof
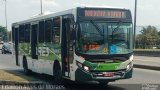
x: 44, y: 16
x: 104, y: 6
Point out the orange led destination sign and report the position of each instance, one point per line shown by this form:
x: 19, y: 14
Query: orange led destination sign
x: 105, y: 13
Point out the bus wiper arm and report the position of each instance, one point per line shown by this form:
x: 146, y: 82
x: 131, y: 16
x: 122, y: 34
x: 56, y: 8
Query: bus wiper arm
x: 97, y: 27
x: 117, y: 28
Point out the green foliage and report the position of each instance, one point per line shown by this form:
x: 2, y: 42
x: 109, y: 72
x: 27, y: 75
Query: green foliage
x: 149, y: 38
x: 3, y: 33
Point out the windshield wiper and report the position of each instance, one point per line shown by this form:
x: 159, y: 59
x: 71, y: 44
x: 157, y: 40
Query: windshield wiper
x: 97, y: 27
x: 115, y: 29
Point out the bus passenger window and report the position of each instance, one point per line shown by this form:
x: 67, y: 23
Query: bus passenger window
x: 48, y: 30
x: 56, y: 35
x: 41, y: 33
x: 27, y: 33
x: 56, y: 30
x: 21, y: 33
x: 13, y: 34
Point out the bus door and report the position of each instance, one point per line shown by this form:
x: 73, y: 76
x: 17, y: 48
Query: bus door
x: 67, y: 47
x: 34, y: 31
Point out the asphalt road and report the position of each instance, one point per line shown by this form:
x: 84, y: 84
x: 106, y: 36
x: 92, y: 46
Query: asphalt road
x: 144, y: 60
x: 140, y: 77
x: 7, y: 63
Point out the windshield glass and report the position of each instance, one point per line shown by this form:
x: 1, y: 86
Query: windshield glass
x: 96, y: 37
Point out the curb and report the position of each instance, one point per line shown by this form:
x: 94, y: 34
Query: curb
x: 146, y: 67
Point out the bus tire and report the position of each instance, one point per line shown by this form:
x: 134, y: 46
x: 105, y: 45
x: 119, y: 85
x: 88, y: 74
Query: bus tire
x: 25, y: 66
x: 57, y: 73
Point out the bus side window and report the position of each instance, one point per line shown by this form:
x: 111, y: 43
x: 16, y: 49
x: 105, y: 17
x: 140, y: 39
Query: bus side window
x: 13, y: 34
x: 48, y: 30
x: 41, y: 34
x: 27, y: 33
x: 21, y: 33
x: 56, y: 30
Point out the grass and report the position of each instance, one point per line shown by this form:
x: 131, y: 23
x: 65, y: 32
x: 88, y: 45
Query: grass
x: 14, y: 76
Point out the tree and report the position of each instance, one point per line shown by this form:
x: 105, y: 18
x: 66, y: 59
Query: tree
x: 3, y: 33
x: 148, y: 37
x: 158, y: 42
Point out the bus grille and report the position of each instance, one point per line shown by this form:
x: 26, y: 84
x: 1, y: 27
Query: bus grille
x: 108, y: 74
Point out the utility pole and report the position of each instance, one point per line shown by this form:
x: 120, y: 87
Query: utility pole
x: 6, y: 18
x: 41, y: 7
x: 135, y: 17
x: 6, y: 13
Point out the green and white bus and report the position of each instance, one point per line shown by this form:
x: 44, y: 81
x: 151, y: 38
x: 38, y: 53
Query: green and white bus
x: 80, y: 44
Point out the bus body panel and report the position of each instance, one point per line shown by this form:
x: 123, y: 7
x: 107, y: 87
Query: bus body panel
x: 78, y: 69
x: 98, y: 69
x: 39, y: 66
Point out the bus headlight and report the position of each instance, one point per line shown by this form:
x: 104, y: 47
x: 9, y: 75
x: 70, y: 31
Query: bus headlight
x: 82, y: 66
x: 130, y: 65
x: 86, y: 68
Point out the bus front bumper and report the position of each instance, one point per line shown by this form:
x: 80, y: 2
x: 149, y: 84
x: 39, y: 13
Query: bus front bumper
x: 81, y: 75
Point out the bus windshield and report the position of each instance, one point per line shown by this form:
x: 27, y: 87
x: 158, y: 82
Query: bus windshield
x: 98, y: 37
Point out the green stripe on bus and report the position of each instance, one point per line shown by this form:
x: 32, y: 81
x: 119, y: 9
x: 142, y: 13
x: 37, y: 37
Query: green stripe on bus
x: 102, y: 66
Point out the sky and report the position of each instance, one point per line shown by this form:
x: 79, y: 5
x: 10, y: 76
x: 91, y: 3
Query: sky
x: 148, y: 11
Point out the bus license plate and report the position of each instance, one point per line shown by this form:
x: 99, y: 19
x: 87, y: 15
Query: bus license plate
x: 108, y: 74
